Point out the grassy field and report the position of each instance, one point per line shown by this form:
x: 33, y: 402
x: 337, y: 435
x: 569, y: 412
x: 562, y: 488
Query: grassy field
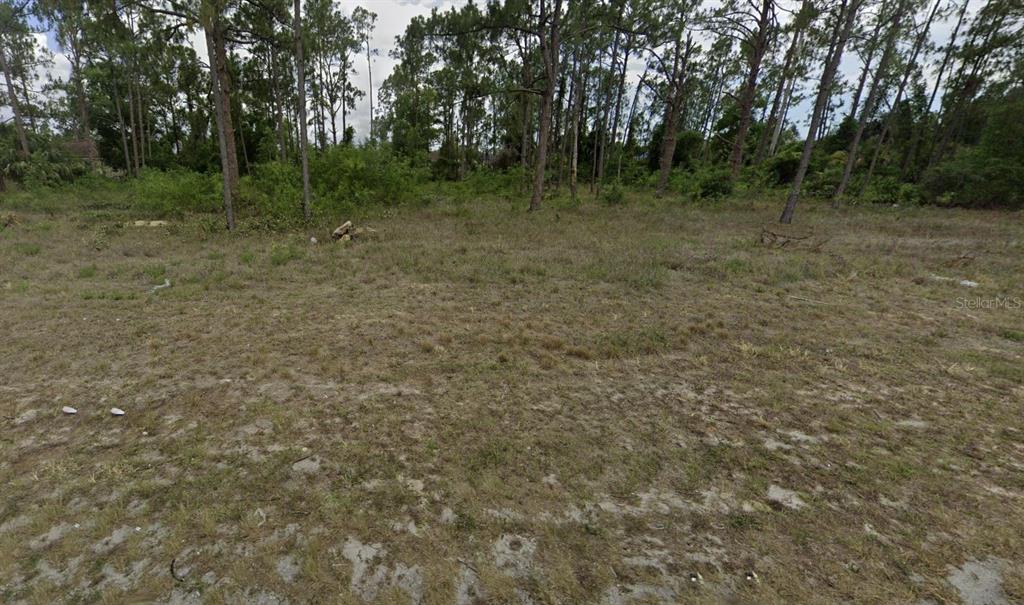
x: 631, y: 404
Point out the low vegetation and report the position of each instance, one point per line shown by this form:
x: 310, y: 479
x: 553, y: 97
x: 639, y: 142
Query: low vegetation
x: 606, y: 402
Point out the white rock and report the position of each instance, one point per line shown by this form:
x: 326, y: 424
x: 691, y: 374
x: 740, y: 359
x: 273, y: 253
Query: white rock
x: 117, y: 411
x: 69, y: 410
x: 785, y: 497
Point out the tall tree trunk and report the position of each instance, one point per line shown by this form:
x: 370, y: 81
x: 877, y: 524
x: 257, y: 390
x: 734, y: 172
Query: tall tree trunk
x: 134, y: 131
x: 19, y: 126
x: 712, y: 108
x: 577, y: 116
x: 566, y: 121
x: 525, y: 128
x: 29, y: 111
x: 627, y: 142
x: 369, y: 75
x: 619, y: 93
x: 918, y: 134
x: 673, y: 109
x: 559, y: 140
x: 549, y: 40
x: 222, y: 115
x: 120, y: 123
x: 603, y: 133
x: 907, y: 72
x: 282, y: 150
x: 219, y: 71
x: 861, y: 82
x: 84, y: 129
x: 845, y: 19
x: 780, y: 94
x: 300, y: 87
x: 142, y: 128
x: 877, y: 89
x: 759, y: 46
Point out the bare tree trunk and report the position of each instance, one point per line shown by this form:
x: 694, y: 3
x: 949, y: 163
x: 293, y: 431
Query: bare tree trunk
x: 219, y: 70
x: 759, y: 46
x: 19, y: 126
x: 84, y: 129
x: 577, y: 111
x: 864, y: 72
x: 712, y: 107
x: 673, y: 109
x: 628, y: 139
x: 120, y: 123
x: 282, y: 151
x: 369, y: 75
x: 524, y: 142
x: 618, y: 101
x: 844, y: 25
x: 567, y: 117
x: 916, y: 141
x: 559, y: 139
x: 668, y: 147
x: 27, y: 108
x: 603, y: 132
x: 877, y: 88
x: 222, y: 119
x: 134, y: 131
x: 300, y: 87
x: 774, y: 119
x: 891, y: 118
x: 549, y: 40
x: 142, y: 128
x: 777, y: 132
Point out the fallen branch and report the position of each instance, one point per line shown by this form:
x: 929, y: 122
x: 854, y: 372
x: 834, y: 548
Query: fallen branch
x: 467, y: 564
x: 166, y: 284
x: 810, y: 300
x: 771, y: 237
x: 174, y: 573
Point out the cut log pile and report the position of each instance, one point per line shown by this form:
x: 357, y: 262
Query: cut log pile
x: 346, y: 232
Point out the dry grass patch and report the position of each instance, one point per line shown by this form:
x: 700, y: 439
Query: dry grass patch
x: 622, y: 404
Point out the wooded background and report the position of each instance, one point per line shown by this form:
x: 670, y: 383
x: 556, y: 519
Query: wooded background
x: 533, y: 95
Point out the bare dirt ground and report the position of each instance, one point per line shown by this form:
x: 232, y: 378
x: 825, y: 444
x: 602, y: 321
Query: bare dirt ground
x: 641, y: 404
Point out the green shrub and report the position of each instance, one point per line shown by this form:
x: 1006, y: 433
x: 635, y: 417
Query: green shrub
x: 348, y: 177
x: 975, y: 180
x: 890, y: 190
x: 714, y: 182
x: 273, y: 193
x: 781, y: 168
x: 28, y: 249
x: 282, y: 254
x: 704, y: 183
x: 173, y: 193
x: 613, y: 195
x: 49, y: 166
x: 827, y: 171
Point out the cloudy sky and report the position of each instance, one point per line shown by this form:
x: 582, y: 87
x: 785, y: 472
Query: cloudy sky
x: 394, y: 15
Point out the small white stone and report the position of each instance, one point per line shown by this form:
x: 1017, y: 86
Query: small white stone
x: 69, y: 410
x: 117, y: 411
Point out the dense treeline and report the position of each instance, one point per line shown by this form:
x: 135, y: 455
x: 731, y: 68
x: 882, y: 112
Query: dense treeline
x: 685, y: 98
